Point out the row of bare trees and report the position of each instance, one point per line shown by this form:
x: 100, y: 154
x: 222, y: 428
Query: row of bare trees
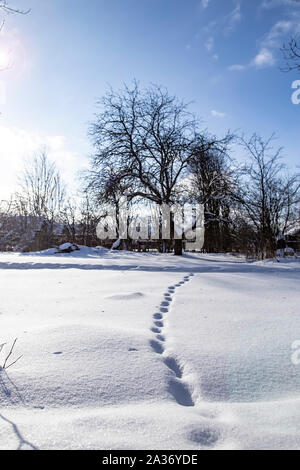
x: 40, y: 214
x: 149, y: 148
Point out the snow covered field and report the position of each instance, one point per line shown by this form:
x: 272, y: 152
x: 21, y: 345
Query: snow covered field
x: 128, y: 351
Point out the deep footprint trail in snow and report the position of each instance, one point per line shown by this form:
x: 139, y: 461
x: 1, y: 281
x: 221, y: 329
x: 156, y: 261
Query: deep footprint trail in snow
x: 205, y: 434
x: 178, y: 386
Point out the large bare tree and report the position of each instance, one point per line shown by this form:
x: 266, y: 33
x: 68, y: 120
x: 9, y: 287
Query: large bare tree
x: 143, y: 140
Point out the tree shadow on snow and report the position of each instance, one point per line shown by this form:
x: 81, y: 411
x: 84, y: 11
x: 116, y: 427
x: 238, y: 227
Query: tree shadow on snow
x: 234, y: 268
x: 22, y: 442
x: 9, y: 390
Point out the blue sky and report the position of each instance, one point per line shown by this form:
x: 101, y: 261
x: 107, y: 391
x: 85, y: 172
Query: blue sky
x: 222, y: 55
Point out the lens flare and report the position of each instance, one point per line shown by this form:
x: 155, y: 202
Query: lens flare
x: 5, y: 59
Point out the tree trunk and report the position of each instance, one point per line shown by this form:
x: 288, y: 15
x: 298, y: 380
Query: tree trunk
x: 178, y: 248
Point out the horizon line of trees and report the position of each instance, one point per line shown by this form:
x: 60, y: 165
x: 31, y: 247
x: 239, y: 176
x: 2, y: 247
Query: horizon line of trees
x: 150, y: 148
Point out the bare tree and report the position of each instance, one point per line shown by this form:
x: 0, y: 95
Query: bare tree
x: 6, y: 8
x: 69, y: 219
x: 42, y: 188
x: 40, y: 199
x: 88, y: 218
x: 213, y: 183
x: 291, y: 54
x: 145, y: 139
x: 7, y: 224
x: 268, y: 196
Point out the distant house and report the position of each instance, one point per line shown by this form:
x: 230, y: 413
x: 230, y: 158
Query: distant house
x: 293, y: 240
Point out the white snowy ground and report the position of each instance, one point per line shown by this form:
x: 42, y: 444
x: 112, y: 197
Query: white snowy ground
x: 128, y: 351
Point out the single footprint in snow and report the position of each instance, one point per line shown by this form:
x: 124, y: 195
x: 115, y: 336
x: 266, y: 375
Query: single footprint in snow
x: 180, y: 392
x: 157, y: 316
x: 161, y: 338
x: 156, y: 346
x: 173, y: 365
x: 164, y: 310
x: 204, y: 436
x: 155, y: 330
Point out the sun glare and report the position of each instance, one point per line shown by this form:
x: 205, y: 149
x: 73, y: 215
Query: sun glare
x: 5, y: 60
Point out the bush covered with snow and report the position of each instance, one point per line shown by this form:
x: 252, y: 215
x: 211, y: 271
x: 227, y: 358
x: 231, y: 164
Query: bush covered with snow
x: 68, y: 248
x: 289, y: 251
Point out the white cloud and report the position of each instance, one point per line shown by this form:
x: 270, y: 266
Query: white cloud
x: 217, y: 114
x: 209, y: 43
x: 17, y: 145
x: 232, y: 19
x: 271, y: 43
x: 264, y: 58
x: 237, y: 67
x: 279, y: 29
x: 268, y: 4
x: 224, y: 25
x: 205, y: 3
